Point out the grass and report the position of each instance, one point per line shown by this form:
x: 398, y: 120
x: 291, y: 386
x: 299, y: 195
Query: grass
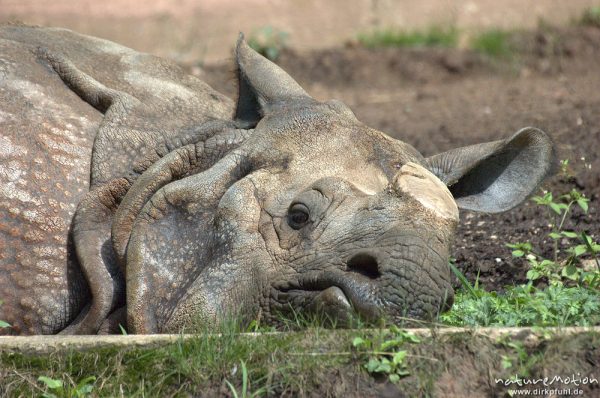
x: 208, y: 362
x: 268, y: 41
x: 494, y: 43
x: 317, y: 362
x: 526, y: 305
x: 432, y: 37
x: 590, y: 17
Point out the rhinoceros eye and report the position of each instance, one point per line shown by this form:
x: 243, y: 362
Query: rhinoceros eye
x: 298, y: 215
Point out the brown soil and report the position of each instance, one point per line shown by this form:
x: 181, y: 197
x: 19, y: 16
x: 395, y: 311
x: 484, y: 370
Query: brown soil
x: 438, y: 99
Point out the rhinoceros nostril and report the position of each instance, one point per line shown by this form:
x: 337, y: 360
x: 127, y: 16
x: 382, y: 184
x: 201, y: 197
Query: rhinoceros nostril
x: 364, y: 264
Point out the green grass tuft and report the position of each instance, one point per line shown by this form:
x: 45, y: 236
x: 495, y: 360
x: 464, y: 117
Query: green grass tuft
x: 494, y: 43
x: 526, y: 305
x: 591, y: 17
x: 269, y: 41
x: 433, y: 37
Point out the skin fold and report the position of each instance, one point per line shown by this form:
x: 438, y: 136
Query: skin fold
x: 134, y: 194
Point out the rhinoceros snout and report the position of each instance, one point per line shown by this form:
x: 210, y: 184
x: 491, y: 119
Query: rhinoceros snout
x: 338, y: 294
x: 373, y: 284
x: 378, y: 282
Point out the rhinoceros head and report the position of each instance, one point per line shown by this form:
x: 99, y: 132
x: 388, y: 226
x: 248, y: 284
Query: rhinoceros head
x: 313, y: 211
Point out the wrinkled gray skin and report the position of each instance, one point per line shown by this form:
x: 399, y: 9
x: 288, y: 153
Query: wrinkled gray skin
x: 130, y: 189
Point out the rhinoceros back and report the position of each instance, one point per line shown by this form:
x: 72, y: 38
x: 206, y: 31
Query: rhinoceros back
x: 46, y: 137
x: 47, y: 133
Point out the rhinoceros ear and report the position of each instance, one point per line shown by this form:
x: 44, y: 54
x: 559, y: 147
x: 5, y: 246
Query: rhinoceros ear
x: 496, y: 176
x: 262, y: 85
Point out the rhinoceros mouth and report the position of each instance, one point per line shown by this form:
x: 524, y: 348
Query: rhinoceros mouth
x: 371, y: 284
x: 340, y: 295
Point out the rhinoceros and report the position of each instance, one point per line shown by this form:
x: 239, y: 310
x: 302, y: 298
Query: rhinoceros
x: 134, y: 193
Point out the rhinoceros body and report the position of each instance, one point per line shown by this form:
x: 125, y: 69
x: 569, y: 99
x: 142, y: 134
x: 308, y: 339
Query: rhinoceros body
x: 131, y: 192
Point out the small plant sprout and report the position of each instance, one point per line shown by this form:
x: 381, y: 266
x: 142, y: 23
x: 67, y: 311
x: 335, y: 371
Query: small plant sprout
x: 564, y: 167
x: 557, y: 269
x: 519, y: 359
x: 57, y: 389
x: 385, y: 355
x: 3, y: 324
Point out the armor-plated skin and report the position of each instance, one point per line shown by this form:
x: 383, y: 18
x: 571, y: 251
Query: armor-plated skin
x: 130, y: 188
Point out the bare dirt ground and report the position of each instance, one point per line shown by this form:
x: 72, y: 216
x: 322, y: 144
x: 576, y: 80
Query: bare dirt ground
x: 438, y: 99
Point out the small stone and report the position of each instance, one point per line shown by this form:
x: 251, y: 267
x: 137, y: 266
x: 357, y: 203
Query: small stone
x: 589, y: 265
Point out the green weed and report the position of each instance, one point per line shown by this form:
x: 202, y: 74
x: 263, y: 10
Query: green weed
x: 569, y: 247
x: 518, y: 359
x: 433, y: 37
x: 493, y: 43
x: 591, y: 17
x: 268, y: 41
x: 384, y: 354
x: 58, y: 389
x: 3, y: 324
x: 526, y: 305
